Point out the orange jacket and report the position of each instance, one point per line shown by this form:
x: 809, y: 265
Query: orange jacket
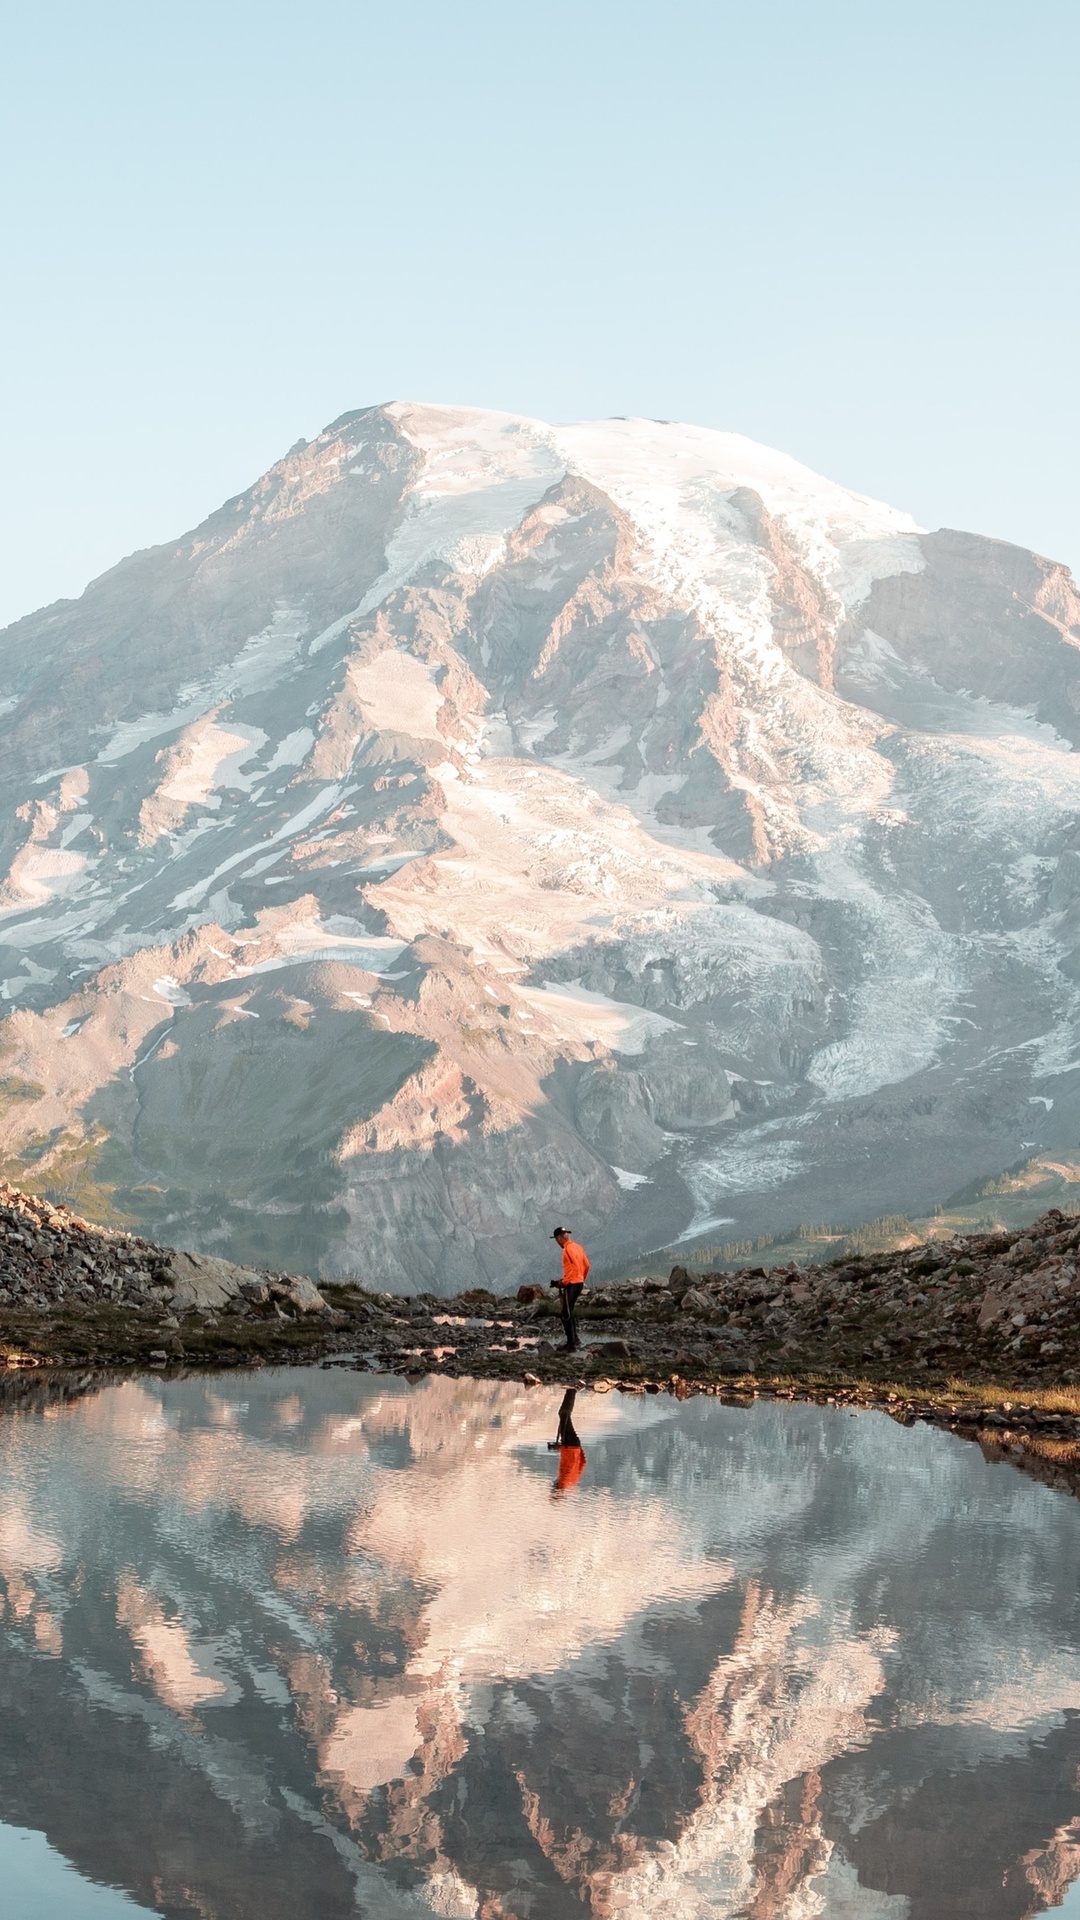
x: 575, y: 1264
x: 571, y: 1468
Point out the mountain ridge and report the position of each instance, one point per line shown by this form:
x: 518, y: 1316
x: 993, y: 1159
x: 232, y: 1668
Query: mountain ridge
x: 476, y: 820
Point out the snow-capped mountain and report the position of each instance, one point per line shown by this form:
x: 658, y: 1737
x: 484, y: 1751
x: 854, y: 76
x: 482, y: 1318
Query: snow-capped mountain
x: 479, y: 822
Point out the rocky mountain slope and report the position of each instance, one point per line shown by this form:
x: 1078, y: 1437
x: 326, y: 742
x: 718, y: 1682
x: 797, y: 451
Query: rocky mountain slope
x: 479, y: 822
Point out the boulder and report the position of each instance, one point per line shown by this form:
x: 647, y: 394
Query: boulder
x: 200, y: 1281
x: 694, y: 1301
x: 305, y: 1297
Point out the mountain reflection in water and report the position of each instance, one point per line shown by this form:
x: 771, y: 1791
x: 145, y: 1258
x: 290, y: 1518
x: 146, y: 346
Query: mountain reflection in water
x: 304, y: 1644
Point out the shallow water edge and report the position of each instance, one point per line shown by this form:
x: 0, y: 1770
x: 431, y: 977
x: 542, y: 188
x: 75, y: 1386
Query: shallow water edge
x: 1037, y: 1432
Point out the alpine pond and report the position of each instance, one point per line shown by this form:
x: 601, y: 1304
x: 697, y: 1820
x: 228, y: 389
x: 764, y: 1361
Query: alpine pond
x: 317, y: 1643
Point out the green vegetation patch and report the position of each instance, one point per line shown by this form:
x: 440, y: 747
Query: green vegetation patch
x: 14, y: 1089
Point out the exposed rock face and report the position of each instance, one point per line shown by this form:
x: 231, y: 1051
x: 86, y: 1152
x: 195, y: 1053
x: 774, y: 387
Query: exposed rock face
x: 51, y: 1258
x: 199, y: 1280
x: 478, y: 823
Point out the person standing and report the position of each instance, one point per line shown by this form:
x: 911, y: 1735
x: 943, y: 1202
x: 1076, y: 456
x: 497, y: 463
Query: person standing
x: 575, y: 1269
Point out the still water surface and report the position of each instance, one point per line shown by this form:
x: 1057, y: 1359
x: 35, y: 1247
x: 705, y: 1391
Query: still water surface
x: 302, y: 1645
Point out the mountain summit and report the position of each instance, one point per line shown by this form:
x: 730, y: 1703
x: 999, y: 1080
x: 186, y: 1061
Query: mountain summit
x: 480, y: 823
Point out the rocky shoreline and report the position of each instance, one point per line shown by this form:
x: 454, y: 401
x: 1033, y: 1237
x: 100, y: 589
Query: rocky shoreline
x: 980, y: 1333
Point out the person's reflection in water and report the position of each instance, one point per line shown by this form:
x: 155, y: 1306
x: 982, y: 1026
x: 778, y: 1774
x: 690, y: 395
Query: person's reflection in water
x: 570, y: 1450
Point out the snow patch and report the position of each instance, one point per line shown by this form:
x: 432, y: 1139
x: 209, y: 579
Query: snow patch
x: 292, y: 751
x: 206, y: 757
x: 264, y: 660
x: 482, y: 474
x: 397, y: 693
x: 40, y: 874
x: 616, y: 1024
x: 326, y: 798
x: 671, y: 480
x: 311, y: 940
x: 169, y: 989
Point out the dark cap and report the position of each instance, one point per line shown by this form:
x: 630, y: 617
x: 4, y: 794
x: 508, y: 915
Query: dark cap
x: 559, y: 1230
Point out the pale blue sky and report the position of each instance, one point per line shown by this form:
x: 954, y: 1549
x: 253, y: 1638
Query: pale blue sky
x: 848, y: 229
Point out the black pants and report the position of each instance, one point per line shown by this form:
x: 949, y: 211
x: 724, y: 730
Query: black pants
x: 568, y: 1299
x: 568, y: 1436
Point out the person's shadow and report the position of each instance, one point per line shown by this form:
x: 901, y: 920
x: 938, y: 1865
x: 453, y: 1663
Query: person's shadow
x: 570, y: 1450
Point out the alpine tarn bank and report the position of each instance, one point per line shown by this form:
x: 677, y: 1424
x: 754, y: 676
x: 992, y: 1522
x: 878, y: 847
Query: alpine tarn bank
x: 1002, y: 1307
